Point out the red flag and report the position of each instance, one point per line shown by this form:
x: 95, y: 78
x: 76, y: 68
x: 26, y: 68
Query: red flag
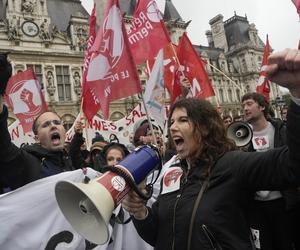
x: 112, y: 73
x: 147, y: 32
x: 297, y: 4
x: 193, y: 69
x: 263, y: 85
x: 176, y: 88
x: 89, y: 105
x: 24, y: 96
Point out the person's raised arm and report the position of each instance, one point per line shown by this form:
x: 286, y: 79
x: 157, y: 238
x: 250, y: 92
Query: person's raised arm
x: 1, y: 104
x: 75, y: 152
x: 5, y: 74
x: 284, y: 69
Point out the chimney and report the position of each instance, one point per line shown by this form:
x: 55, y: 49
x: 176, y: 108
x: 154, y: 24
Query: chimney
x: 209, y: 37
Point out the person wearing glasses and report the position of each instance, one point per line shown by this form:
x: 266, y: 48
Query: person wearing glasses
x: 46, y: 157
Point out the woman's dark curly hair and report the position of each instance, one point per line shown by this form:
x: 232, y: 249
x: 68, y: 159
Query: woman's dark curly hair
x: 209, y: 130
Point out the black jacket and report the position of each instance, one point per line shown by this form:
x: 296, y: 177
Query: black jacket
x: 77, y: 157
x: 20, y: 166
x: 221, y: 217
x: 75, y: 152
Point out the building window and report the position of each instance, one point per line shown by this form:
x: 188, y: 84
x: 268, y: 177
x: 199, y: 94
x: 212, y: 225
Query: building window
x: 238, y: 95
x: 230, y: 95
x: 68, y: 125
x: 68, y: 121
x: 37, y: 68
x: 63, y: 83
x: 248, y: 89
x: 259, y: 61
x: 221, y: 94
x: 116, y: 116
x: 244, y: 65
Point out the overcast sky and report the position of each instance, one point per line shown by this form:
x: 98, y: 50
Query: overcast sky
x: 278, y: 18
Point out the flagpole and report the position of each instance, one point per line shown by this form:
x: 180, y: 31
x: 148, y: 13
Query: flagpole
x: 149, y: 121
x: 85, y: 123
x: 227, y: 77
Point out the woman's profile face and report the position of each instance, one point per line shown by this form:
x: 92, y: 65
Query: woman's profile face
x: 113, y: 157
x: 182, y: 134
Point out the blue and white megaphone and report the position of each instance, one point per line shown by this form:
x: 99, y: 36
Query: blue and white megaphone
x: 88, y: 207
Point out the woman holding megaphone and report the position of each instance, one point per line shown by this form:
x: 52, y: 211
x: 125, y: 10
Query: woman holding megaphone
x: 203, y: 201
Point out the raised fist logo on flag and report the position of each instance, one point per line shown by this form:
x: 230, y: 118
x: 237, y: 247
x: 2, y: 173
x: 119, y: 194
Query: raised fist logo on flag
x: 24, y: 96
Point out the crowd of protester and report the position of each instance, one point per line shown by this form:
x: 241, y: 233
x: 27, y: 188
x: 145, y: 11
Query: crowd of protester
x: 210, y: 194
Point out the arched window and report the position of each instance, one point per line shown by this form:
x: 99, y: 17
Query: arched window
x: 68, y: 121
x: 115, y: 116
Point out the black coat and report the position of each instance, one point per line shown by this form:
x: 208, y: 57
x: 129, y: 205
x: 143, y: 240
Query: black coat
x: 77, y: 158
x: 222, y: 214
x: 19, y: 166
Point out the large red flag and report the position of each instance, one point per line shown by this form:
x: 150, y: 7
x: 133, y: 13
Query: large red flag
x: 263, y: 85
x: 90, y: 106
x: 147, y: 32
x: 24, y: 96
x: 193, y: 69
x: 297, y: 4
x: 111, y: 73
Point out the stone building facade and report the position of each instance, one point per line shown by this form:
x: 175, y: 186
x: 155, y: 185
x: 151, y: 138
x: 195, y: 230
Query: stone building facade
x: 234, y: 55
x: 51, y: 36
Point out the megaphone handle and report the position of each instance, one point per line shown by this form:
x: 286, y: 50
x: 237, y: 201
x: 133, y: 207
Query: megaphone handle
x: 130, y: 181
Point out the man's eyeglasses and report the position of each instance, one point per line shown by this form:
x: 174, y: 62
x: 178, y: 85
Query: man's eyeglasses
x: 48, y: 123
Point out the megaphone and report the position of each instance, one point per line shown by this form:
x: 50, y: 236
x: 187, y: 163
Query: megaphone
x: 240, y: 132
x: 88, y: 207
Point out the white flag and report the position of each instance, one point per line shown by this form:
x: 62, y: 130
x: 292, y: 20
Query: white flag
x: 154, y: 92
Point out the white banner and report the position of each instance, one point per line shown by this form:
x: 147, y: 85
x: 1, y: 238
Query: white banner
x: 122, y: 129
x: 30, y: 219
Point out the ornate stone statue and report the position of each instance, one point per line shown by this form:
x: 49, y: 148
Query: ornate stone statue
x: 14, y: 28
x: 82, y: 43
x: 77, y: 79
x: 77, y: 84
x: 50, y: 79
x: 50, y: 85
x: 44, y: 31
x: 28, y: 6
